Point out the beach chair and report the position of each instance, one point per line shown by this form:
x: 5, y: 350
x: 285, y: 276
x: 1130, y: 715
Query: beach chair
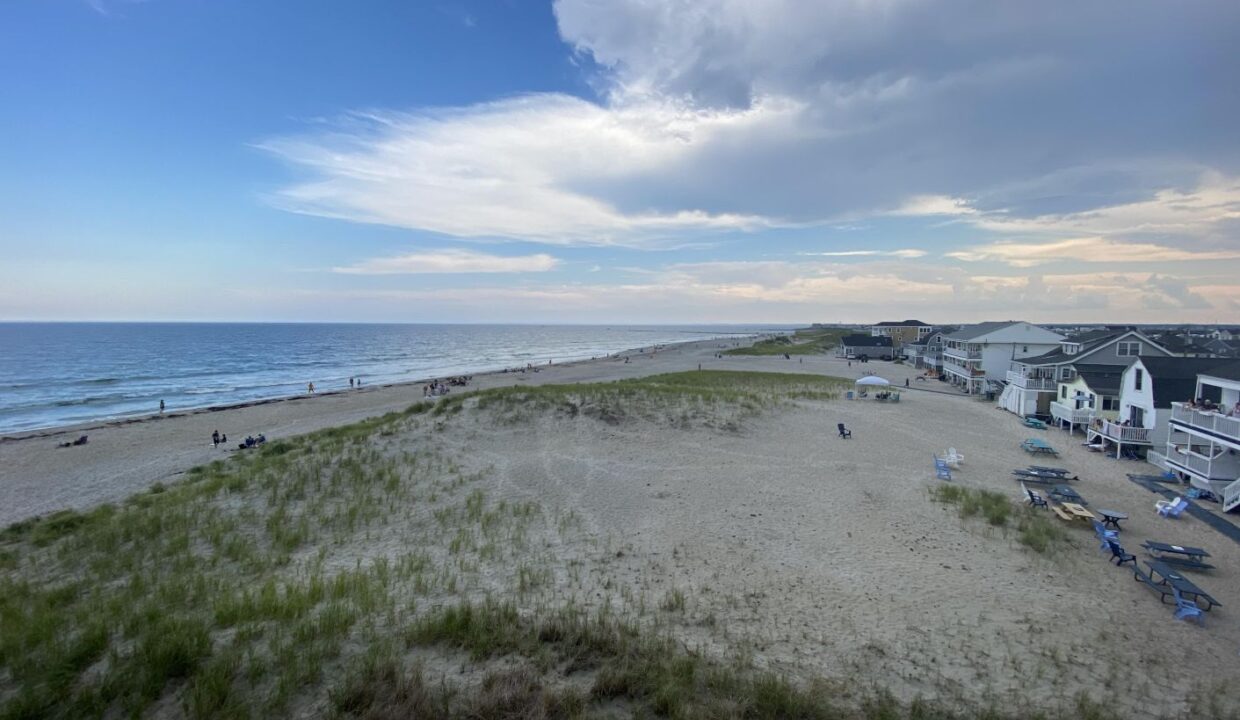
x: 953, y: 458
x: 1186, y: 609
x: 1106, y: 537
x: 1035, y: 499
x: 844, y: 432
x: 1120, y: 555
x: 1171, y: 508
x: 941, y: 469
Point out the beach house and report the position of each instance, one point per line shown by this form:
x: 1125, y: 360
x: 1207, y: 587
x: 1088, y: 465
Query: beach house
x: 926, y: 353
x: 902, y: 332
x: 1035, y: 384
x: 1147, y: 389
x: 1092, y: 392
x: 1203, y: 437
x: 978, y: 356
x: 865, y: 346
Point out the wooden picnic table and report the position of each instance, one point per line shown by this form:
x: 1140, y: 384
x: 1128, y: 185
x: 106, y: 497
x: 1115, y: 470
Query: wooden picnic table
x: 1078, y: 512
x: 1170, y: 576
x: 1112, y: 517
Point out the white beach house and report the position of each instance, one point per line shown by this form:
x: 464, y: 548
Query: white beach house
x: 1035, y: 383
x: 976, y: 355
x: 1148, y: 387
x: 1203, y: 438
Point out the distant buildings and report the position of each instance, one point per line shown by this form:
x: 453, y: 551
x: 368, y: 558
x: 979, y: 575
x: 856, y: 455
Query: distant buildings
x: 865, y: 346
x: 902, y: 332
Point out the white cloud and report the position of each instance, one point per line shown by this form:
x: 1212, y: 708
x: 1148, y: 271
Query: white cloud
x: 923, y: 205
x: 909, y: 253
x: 510, y: 169
x: 451, y: 261
x: 1094, y: 250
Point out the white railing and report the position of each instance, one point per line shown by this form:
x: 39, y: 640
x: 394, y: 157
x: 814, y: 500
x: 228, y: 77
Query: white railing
x: 1221, y: 466
x: 1069, y: 414
x: 1021, y: 380
x: 1122, y: 433
x: 962, y: 353
x: 1217, y: 423
x: 1231, y: 496
x: 1156, y: 459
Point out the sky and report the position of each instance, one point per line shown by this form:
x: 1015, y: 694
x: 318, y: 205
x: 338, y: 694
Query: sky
x: 620, y: 161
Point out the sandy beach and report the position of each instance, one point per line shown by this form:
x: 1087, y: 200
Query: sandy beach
x: 806, y: 553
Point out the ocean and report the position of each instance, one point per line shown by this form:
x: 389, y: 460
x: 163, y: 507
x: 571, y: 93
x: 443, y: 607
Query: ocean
x: 55, y: 374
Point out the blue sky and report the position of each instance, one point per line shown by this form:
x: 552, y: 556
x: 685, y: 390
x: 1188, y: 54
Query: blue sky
x: 623, y: 161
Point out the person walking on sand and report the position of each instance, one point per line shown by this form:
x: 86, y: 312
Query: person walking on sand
x: 310, y: 388
x: 161, y: 407
x: 215, y: 439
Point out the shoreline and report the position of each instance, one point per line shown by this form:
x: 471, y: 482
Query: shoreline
x: 103, y: 423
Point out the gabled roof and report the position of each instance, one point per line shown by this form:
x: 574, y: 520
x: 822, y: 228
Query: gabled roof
x: 1175, y: 378
x: 903, y: 323
x: 1092, y: 336
x: 1226, y: 370
x: 969, y: 332
x: 1102, y: 379
x: 1098, y: 339
x: 865, y: 341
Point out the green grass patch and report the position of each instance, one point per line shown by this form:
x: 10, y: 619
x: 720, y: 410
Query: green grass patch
x: 810, y: 341
x: 1034, y: 529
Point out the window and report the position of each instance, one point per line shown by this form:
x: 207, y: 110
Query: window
x: 1110, y: 403
x: 1136, y: 383
x: 1024, y: 348
x: 1063, y: 392
x: 1128, y: 349
x: 1092, y: 399
x: 1065, y: 373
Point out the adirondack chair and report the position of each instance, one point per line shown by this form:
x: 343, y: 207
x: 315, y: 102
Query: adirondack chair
x: 1121, y: 556
x: 953, y: 458
x: 1187, y: 609
x: 941, y: 469
x: 844, y: 432
x: 1035, y: 499
x: 1106, y: 537
x: 1171, y: 508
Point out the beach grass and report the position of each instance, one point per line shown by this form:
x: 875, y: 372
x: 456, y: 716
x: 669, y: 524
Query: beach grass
x: 314, y: 575
x: 1033, y: 529
x: 807, y: 341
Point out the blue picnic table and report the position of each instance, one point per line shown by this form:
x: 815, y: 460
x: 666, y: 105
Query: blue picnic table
x: 1038, y: 447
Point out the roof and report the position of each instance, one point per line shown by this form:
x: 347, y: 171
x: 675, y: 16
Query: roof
x: 902, y: 323
x: 865, y: 341
x: 968, y: 332
x: 1175, y: 378
x: 1102, y: 379
x: 1092, y: 336
x: 1226, y: 370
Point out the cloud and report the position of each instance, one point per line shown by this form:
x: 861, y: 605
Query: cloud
x: 1093, y: 250
x: 923, y: 205
x: 451, y: 261
x: 509, y: 169
x: 907, y: 253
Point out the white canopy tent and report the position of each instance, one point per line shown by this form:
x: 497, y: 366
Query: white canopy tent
x: 879, y: 384
x: 872, y: 380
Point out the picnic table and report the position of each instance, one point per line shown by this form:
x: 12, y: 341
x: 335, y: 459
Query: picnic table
x: 1065, y: 494
x: 1035, y: 423
x: 1159, y: 548
x: 1077, y: 511
x: 1038, y: 447
x: 1112, y: 517
x: 1041, y: 476
x: 1170, y: 576
x: 1062, y: 472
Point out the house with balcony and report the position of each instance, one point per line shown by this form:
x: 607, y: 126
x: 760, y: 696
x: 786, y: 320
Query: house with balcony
x: 977, y: 356
x: 1092, y: 392
x: 869, y: 347
x: 926, y: 353
x: 902, y: 332
x: 1147, y: 389
x: 1035, y: 382
x: 1203, y: 438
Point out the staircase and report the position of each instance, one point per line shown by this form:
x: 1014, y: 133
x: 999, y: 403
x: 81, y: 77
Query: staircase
x: 1231, y: 496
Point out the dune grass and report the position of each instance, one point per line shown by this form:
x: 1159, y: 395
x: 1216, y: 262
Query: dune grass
x: 1034, y: 529
x: 807, y: 341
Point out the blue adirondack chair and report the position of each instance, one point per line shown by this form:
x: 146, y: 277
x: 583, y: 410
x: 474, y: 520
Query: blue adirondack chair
x: 1186, y: 609
x: 1171, y: 508
x: 1121, y: 556
x: 941, y: 470
x: 1106, y: 537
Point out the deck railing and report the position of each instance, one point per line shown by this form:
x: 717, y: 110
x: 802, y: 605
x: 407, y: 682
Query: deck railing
x: 962, y: 353
x: 1021, y: 380
x: 1122, y: 433
x: 1069, y: 414
x: 1214, y: 422
x: 1221, y: 466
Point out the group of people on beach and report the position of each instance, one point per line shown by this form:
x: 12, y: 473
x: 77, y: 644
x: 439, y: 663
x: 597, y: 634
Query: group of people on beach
x: 218, y: 439
x: 436, y: 388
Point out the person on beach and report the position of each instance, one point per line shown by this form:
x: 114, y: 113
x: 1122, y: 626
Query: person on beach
x: 350, y: 382
x: 215, y: 439
x: 310, y: 388
x: 161, y: 407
